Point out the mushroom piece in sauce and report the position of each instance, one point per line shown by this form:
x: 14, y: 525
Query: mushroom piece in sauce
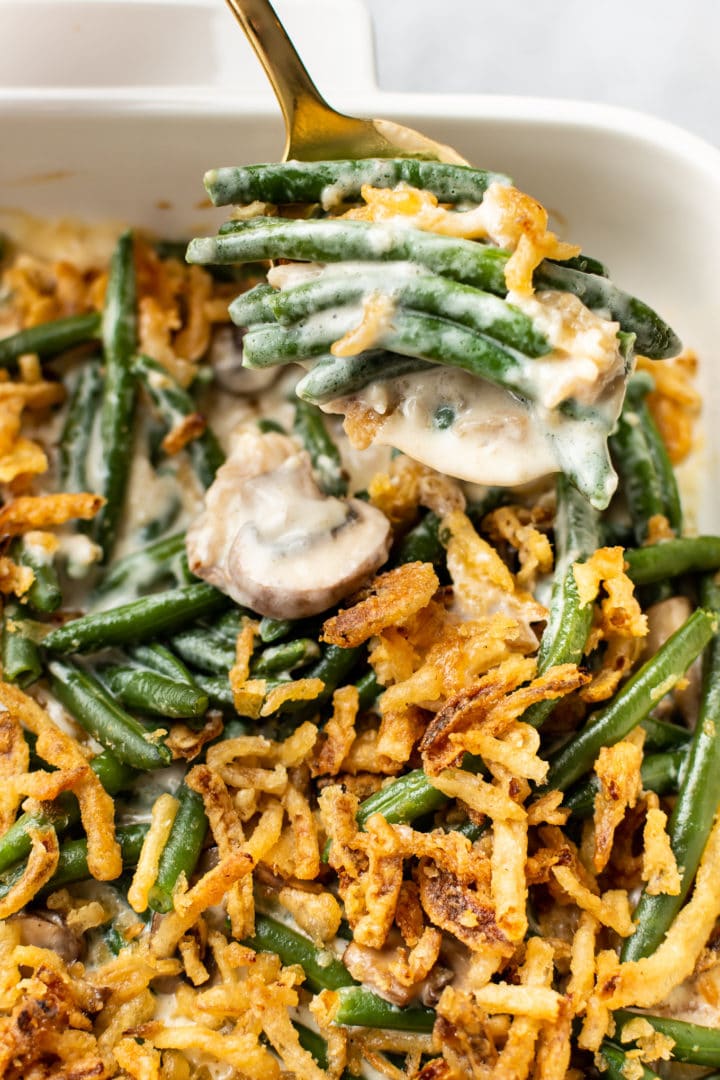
x: 270, y: 539
x: 226, y: 354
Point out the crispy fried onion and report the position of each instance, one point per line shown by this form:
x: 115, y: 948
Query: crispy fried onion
x: 618, y: 771
x: 97, y: 809
x: 14, y: 759
x: 252, y: 997
x: 40, y: 867
x: 617, y: 620
x: 517, y: 526
x: 659, y: 867
x: 491, y: 706
x: 408, y: 485
x: 389, y: 600
x: 43, y: 511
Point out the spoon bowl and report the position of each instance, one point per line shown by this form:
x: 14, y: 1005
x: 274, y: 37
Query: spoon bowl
x: 314, y: 130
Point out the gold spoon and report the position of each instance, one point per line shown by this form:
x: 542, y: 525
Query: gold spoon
x: 314, y: 130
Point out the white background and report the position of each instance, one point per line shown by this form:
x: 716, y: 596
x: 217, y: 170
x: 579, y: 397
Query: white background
x: 659, y: 56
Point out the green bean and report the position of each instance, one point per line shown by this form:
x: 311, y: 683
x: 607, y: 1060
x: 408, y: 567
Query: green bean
x: 694, y: 1044
x: 670, y: 558
x: 174, y: 405
x: 252, y: 307
x: 633, y: 703
x: 401, y: 801
x: 274, y: 629
x: 144, y: 568
x: 15, y: 844
x: 323, y: 970
x: 422, y: 543
x: 333, y: 667
x: 660, y: 773
x: 92, y: 707
x: 696, y: 806
x: 359, y: 1007
x: 577, y: 528
x: 423, y: 337
x: 148, y: 617
x: 151, y: 692
x: 422, y: 292
x: 320, y: 181
x: 77, y: 431
x: 641, y: 483
x: 663, y: 469
x: 182, y: 850
x: 583, y: 262
x: 286, y: 657
x: 20, y: 656
x: 368, y: 690
x: 662, y: 735
x: 467, y: 261
x: 119, y: 333
x: 333, y: 377
x: 44, y: 595
x: 201, y: 648
x: 160, y: 659
x: 50, y: 338
x: 73, y: 861
x: 619, y: 1064
x: 309, y: 426
x: 219, y: 691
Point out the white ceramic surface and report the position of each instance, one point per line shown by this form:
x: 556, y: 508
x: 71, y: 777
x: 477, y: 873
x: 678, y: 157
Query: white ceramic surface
x: 634, y: 191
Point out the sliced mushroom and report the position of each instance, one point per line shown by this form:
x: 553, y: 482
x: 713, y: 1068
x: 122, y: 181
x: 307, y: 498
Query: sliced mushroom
x: 270, y: 539
x: 226, y: 353
x: 49, y: 931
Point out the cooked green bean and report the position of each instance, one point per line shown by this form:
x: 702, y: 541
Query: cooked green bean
x: 323, y: 971
x: 694, y: 1044
x: 663, y: 469
x: 50, y: 338
x: 148, y: 617
x: 202, y: 648
x: 670, y: 558
x: 92, y: 707
x: 73, y: 861
x: 423, y: 337
x: 619, y: 1064
x: 430, y: 294
x: 182, y: 850
x: 368, y: 690
x: 119, y: 335
x: 142, y: 569
x: 274, y: 629
x: 253, y: 307
x: 44, y: 595
x: 309, y: 426
x: 15, y: 844
x: 663, y: 735
x: 481, y: 265
x: 77, y: 431
x: 633, y: 703
x: 359, y: 1007
x: 317, y: 181
x: 151, y: 692
x: 20, y: 655
x: 285, y: 657
x: 422, y: 543
x: 643, y: 484
x: 333, y: 377
x: 401, y: 801
x: 577, y: 527
x: 660, y: 773
x: 696, y: 806
x: 160, y: 659
x: 175, y: 405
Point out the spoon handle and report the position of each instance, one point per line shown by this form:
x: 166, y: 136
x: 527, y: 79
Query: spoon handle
x: 302, y: 105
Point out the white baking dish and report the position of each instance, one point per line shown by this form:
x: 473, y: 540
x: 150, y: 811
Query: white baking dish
x: 122, y: 132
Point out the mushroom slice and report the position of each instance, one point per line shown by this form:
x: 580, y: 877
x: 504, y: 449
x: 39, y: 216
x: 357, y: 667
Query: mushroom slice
x: 270, y: 539
x: 226, y: 353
